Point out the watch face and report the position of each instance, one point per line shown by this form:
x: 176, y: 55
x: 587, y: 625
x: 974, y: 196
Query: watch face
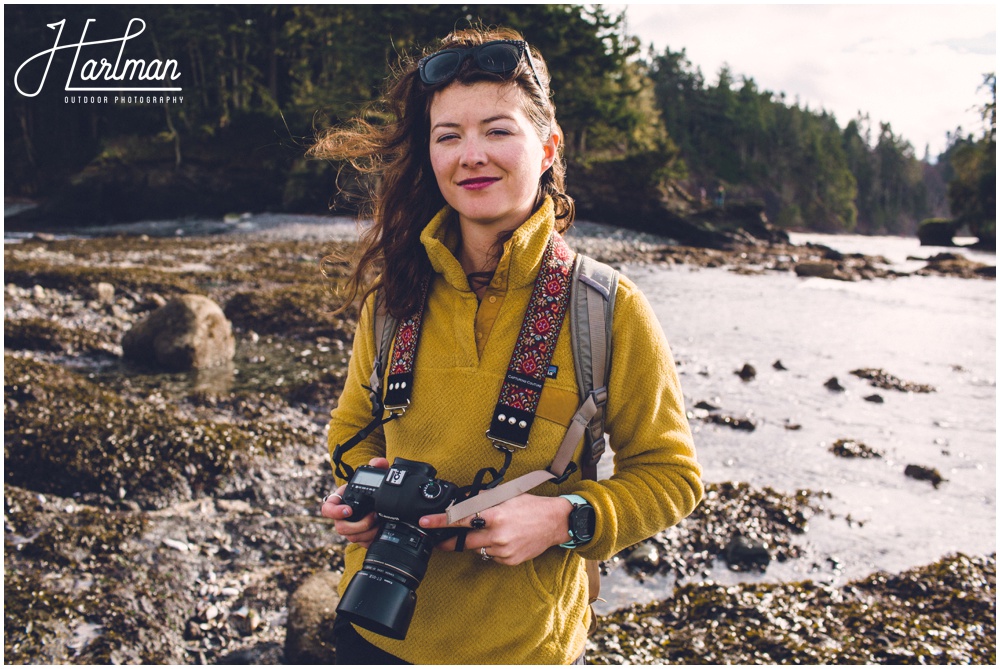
x: 582, y: 522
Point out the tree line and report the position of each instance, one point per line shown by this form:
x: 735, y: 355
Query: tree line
x: 259, y: 80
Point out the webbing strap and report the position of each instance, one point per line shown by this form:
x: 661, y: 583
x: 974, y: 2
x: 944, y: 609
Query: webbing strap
x: 490, y: 498
x: 385, y: 326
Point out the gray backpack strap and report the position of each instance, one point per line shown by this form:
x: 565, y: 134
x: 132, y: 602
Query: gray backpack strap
x: 385, y: 328
x: 592, y: 307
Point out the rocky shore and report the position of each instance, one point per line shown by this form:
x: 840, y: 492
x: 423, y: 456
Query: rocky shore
x: 172, y: 517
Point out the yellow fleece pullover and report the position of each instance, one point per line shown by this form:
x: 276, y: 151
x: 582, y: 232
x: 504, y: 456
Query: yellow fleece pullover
x: 471, y: 611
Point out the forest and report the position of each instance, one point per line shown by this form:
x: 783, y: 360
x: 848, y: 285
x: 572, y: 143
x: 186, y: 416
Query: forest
x: 259, y: 81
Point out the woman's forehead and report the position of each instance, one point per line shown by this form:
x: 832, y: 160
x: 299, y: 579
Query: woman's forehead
x: 482, y: 99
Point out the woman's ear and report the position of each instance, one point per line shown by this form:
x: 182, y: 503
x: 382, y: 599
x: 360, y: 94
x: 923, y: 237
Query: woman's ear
x: 551, y: 147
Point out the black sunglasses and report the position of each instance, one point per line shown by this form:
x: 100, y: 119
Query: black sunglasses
x: 499, y: 57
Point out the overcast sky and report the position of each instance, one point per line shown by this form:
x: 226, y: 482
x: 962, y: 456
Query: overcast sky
x: 917, y: 67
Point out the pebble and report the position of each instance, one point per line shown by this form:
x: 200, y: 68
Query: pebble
x: 182, y: 546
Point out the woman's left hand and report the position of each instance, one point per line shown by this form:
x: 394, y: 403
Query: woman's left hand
x: 518, y: 530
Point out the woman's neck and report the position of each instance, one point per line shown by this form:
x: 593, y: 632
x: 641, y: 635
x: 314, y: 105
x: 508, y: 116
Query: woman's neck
x: 479, y: 253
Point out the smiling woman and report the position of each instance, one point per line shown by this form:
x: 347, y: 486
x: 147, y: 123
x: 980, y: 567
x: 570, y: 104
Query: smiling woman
x: 476, y: 280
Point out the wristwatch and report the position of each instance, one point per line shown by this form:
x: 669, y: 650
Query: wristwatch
x: 582, y: 521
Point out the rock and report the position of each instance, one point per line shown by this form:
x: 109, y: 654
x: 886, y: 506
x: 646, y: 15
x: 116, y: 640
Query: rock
x: 937, y: 232
x: 883, y: 379
x: 743, y: 554
x: 778, y: 366
x: 311, y: 612
x: 189, y: 332
x: 833, y: 384
x: 922, y: 473
x: 876, y: 399
x: 745, y: 424
x: 955, y: 264
x: 823, y: 270
x: 646, y: 557
x: 102, y: 292
x: 748, y: 373
x: 849, y: 448
x: 707, y: 406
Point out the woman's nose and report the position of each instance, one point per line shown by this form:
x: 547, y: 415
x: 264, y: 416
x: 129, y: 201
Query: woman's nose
x: 473, y: 154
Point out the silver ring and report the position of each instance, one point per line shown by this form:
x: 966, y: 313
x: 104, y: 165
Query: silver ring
x: 332, y: 494
x: 484, y: 554
x: 478, y: 523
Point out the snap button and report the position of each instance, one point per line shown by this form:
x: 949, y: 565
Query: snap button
x: 493, y: 298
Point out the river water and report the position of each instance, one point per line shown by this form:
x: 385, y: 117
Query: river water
x: 928, y: 330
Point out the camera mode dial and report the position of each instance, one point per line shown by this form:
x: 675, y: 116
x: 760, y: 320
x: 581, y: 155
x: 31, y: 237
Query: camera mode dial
x: 431, y: 490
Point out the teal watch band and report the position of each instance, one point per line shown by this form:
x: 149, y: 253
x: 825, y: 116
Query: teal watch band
x: 582, y: 521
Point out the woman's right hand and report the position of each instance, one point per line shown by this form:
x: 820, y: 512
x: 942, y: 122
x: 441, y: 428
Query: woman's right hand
x: 358, y: 531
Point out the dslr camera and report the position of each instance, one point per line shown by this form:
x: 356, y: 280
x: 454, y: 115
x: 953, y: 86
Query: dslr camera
x: 381, y: 597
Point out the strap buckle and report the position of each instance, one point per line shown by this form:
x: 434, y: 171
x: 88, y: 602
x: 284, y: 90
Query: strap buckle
x: 600, y: 396
x: 570, y: 468
x: 397, y: 410
x: 503, y: 444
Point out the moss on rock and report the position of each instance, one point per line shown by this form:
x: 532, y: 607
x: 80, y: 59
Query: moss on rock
x: 64, y: 434
x: 39, y: 334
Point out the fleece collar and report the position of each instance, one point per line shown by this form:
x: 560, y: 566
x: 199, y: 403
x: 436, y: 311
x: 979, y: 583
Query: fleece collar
x: 522, y: 253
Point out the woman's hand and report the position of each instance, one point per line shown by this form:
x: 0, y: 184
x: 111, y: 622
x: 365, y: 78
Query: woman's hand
x: 518, y: 530
x: 358, y: 531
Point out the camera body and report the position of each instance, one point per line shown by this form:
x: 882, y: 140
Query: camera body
x: 406, y: 491
x: 382, y: 596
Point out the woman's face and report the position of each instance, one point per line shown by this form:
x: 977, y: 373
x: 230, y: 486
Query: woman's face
x: 486, y: 155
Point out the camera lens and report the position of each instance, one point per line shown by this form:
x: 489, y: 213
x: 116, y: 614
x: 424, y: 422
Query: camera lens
x: 381, y: 597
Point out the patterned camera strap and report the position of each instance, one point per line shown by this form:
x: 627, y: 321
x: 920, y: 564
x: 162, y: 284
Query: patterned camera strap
x: 529, y: 363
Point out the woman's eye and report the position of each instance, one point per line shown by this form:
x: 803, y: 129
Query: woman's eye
x: 501, y: 132
x: 443, y: 138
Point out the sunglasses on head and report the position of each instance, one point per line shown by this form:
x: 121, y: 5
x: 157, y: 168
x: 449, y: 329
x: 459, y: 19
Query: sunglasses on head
x: 498, y: 57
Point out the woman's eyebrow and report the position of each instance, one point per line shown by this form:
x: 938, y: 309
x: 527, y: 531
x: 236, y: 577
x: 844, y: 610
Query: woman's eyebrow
x: 485, y: 121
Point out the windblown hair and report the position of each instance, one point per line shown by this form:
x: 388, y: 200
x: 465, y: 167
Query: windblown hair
x: 396, y: 153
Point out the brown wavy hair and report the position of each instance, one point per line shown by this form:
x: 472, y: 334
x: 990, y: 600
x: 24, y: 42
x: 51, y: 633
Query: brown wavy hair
x: 389, y: 256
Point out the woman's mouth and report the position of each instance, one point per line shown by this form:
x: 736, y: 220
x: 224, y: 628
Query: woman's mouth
x: 478, y: 183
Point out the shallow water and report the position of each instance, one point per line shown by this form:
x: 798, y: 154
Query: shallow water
x: 927, y: 330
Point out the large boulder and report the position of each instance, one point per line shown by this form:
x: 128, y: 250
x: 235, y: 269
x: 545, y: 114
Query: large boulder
x: 188, y: 332
x: 312, y: 609
x: 937, y: 232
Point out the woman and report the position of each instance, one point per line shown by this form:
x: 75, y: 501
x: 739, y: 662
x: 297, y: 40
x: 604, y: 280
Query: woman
x: 469, y: 201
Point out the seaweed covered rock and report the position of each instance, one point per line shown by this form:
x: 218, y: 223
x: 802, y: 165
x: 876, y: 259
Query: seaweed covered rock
x: 943, y: 613
x: 761, y: 517
x: 850, y: 448
x: 296, y: 309
x: 883, y: 379
x: 75, y: 592
x: 64, y: 434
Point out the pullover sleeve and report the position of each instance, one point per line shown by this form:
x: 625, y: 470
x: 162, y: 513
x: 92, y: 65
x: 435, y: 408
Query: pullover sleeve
x: 354, y: 409
x: 656, y: 480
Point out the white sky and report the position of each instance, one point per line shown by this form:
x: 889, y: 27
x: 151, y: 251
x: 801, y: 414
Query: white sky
x: 917, y: 67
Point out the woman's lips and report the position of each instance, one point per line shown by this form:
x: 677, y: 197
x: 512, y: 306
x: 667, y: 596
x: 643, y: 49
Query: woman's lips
x: 478, y: 183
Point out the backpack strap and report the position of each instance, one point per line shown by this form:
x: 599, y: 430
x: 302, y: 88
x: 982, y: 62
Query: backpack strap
x: 385, y: 327
x: 591, y: 312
